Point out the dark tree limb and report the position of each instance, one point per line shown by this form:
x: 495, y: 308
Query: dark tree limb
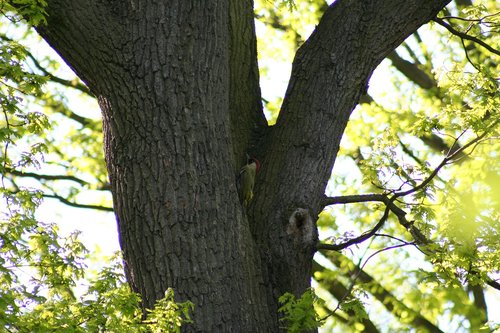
x: 479, y: 300
x: 493, y: 284
x: 412, y: 71
x: 390, y: 204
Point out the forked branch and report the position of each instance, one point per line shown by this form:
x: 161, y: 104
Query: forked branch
x: 389, y: 200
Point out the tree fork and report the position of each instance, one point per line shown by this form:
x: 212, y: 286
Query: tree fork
x: 165, y: 78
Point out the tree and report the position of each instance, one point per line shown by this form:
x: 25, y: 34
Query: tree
x: 178, y: 86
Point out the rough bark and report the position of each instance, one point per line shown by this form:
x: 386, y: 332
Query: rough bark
x: 161, y: 75
x: 177, y: 83
x: 245, y: 106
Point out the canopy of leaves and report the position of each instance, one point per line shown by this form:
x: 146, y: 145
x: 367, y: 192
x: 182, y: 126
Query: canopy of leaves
x: 413, y: 202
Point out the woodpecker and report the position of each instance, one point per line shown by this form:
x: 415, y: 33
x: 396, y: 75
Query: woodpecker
x: 246, y: 180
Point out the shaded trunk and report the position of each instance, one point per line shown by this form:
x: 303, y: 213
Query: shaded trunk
x: 162, y: 82
x: 177, y: 83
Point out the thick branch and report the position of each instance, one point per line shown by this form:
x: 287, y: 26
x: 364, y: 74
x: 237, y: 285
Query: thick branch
x: 479, y: 300
x: 412, y: 71
x: 389, y: 202
x: 494, y: 284
x: 329, y: 74
x: 247, y: 120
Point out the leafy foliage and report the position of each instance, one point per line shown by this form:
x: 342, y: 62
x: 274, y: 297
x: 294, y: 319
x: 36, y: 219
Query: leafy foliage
x: 169, y: 315
x: 299, y: 314
x: 33, y: 11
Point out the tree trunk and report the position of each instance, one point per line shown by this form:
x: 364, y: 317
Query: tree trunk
x: 177, y: 83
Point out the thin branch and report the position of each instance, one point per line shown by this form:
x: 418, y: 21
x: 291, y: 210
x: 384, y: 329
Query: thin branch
x: 68, y: 83
x: 462, y: 35
x: 5, y: 154
x: 327, y: 201
x: 480, y: 20
x: 361, y: 238
x: 436, y: 143
x: 46, y: 177
x: 77, y: 205
x: 339, y: 290
x: 391, y: 206
x: 38, y: 176
x: 467, y: 55
x: 447, y: 160
x: 400, y: 240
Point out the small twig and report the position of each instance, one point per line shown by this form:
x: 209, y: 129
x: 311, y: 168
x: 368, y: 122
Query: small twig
x: 467, y: 55
x: 402, y: 241
x: 380, y: 251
